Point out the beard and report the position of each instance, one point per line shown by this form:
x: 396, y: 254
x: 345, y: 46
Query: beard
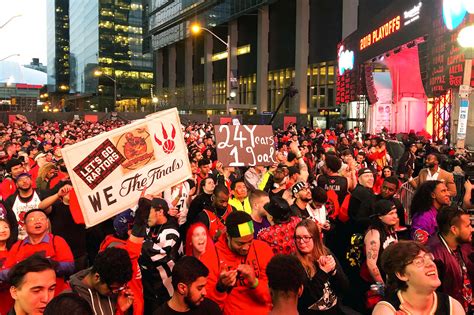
x: 306, y: 199
x: 190, y: 303
x: 23, y: 189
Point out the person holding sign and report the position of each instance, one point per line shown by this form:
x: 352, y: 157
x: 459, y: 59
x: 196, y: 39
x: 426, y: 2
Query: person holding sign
x: 159, y: 254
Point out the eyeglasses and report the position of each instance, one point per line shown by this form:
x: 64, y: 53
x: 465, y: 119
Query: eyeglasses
x: 305, y: 239
x: 420, y: 261
x: 40, y: 219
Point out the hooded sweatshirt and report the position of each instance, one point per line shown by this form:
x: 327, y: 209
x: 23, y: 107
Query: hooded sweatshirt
x: 101, y: 304
x: 241, y: 299
x: 135, y: 285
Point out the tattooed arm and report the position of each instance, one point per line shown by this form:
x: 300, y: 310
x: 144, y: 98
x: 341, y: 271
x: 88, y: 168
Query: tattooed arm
x: 372, y: 247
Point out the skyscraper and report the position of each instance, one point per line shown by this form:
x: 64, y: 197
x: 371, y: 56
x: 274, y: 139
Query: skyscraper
x: 58, y: 46
x: 107, y: 59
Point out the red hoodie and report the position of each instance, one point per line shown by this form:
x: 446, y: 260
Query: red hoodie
x: 241, y: 299
x: 134, y: 250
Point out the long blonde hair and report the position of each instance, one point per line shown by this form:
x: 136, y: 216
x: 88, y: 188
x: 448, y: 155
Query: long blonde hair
x: 44, y: 170
x: 310, y: 260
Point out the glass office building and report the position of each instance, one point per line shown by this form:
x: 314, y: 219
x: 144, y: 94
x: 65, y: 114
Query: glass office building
x: 273, y: 44
x: 58, y: 45
x: 107, y: 35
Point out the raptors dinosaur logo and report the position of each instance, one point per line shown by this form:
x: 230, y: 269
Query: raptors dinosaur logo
x: 168, y: 142
x: 136, y: 146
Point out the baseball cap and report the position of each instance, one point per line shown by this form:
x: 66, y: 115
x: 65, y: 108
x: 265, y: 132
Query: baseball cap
x: 363, y: 171
x: 39, y: 156
x: 123, y: 222
x: 22, y: 175
x: 278, y: 208
x: 297, y: 187
x: 383, y: 206
x: 159, y: 204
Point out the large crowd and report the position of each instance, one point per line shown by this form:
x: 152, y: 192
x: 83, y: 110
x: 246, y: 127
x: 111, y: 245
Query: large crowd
x: 321, y: 231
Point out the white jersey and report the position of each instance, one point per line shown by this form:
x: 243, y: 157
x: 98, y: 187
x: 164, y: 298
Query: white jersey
x: 177, y: 197
x: 20, y: 208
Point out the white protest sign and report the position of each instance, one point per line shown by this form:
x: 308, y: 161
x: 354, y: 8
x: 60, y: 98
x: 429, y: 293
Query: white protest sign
x: 110, y: 171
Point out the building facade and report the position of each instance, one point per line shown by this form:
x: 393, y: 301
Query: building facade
x: 108, y: 63
x: 58, y: 46
x: 403, y: 69
x: 272, y: 43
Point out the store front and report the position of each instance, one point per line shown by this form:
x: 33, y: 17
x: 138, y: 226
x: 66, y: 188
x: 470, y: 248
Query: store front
x: 393, y: 68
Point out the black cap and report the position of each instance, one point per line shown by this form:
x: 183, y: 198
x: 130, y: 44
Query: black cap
x: 159, y: 204
x: 279, y: 209
x: 383, y: 206
x: 363, y: 171
x: 297, y: 187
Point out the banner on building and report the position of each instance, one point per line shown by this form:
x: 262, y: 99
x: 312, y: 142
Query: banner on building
x: 110, y: 171
x: 245, y: 145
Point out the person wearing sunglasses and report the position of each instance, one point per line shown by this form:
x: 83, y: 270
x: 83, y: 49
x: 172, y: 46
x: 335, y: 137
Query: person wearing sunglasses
x: 412, y: 280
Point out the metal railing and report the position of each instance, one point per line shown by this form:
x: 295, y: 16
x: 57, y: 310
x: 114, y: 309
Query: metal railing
x: 406, y: 195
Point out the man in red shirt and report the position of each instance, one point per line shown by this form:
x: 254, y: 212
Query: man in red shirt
x: 46, y: 244
x: 237, y: 278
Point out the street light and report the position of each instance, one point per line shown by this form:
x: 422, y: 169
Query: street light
x: 465, y: 40
x: 9, y: 56
x: 196, y: 29
x: 154, y: 101
x: 99, y: 73
x: 9, y: 20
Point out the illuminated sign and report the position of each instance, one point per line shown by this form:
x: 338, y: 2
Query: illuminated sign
x: 412, y: 15
x: 345, y: 60
x: 454, y: 12
x: 380, y: 33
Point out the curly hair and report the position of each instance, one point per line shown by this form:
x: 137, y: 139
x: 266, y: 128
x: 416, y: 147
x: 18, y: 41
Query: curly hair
x: 395, y: 258
x: 285, y: 273
x: 422, y: 200
x: 113, y: 265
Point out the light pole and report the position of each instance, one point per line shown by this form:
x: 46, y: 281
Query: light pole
x: 9, y: 20
x: 196, y: 29
x: 465, y: 40
x: 154, y: 101
x: 99, y: 73
x: 9, y: 56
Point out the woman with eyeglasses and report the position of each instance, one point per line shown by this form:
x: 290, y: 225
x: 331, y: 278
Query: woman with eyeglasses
x: 325, y: 280
x: 412, y: 280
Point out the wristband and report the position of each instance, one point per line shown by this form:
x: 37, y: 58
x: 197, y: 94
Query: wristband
x: 255, y: 285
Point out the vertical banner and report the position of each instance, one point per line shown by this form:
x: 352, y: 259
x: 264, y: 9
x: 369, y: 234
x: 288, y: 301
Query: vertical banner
x: 110, y: 171
x: 462, y: 122
x: 287, y: 120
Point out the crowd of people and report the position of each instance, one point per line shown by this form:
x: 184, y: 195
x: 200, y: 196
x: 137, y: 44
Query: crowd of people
x: 321, y: 231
